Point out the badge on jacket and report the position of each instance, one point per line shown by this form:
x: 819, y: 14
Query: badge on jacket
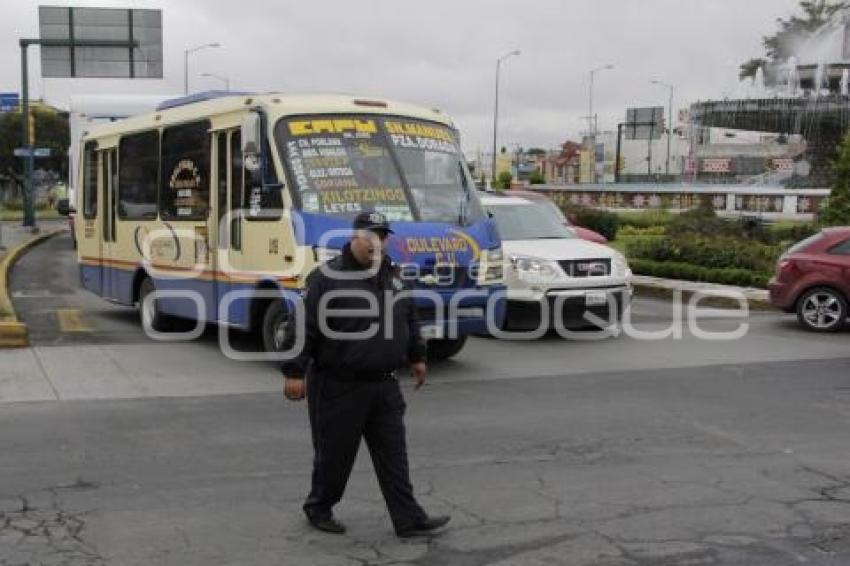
x: 397, y: 284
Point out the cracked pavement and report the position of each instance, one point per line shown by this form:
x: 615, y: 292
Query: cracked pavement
x: 729, y: 464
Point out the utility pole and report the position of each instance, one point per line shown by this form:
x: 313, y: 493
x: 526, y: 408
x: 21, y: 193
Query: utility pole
x: 186, y: 53
x: 592, y: 121
x: 496, y: 112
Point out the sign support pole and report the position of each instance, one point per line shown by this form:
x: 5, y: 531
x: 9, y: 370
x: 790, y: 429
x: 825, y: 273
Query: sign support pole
x: 29, y: 193
x: 29, y: 204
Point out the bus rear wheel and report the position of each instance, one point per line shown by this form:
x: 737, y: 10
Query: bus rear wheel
x: 149, y: 313
x: 445, y: 348
x: 275, y: 326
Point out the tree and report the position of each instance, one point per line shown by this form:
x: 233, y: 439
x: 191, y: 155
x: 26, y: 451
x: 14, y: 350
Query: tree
x: 780, y: 46
x: 51, y: 131
x: 503, y: 180
x: 837, y: 209
x: 537, y: 151
x: 536, y: 178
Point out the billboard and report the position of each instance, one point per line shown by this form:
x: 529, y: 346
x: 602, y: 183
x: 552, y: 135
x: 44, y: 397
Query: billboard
x: 79, y: 30
x: 644, y: 123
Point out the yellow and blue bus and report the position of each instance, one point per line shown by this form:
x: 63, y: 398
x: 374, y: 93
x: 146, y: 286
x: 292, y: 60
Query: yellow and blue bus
x: 218, y: 205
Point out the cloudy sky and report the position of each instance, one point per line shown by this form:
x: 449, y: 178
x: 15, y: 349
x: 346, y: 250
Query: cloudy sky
x: 442, y: 53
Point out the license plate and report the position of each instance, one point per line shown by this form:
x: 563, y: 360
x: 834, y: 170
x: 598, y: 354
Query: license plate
x: 595, y: 299
x: 431, y: 332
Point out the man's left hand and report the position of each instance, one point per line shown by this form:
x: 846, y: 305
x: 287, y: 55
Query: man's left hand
x: 418, y: 371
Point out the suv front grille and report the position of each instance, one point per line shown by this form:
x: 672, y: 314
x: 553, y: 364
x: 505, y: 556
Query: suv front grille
x: 586, y: 267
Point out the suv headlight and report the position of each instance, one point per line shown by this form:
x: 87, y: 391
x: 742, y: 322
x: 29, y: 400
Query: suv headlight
x: 620, y: 267
x: 535, y: 268
x: 492, y: 268
x: 321, y: 255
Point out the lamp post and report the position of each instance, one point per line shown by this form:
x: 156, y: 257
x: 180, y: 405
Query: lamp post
x: 186, y: 53
x: 591, y: 119
x: 669, y: 121
x: 225, y: 80
x: 496, y: 110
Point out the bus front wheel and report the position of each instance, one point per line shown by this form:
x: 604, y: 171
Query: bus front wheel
x: 149, y: 313
x: 445, y: 348
x: 275, y: 326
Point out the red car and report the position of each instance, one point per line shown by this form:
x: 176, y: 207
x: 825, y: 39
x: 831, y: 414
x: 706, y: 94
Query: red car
x: 582, y: 233
x: 813, y: 280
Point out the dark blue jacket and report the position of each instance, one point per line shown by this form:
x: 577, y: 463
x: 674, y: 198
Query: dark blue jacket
x: 366, y: 358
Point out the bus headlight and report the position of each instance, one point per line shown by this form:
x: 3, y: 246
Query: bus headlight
x: 492, y: 267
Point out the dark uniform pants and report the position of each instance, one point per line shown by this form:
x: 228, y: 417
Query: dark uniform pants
x: 341, y: 413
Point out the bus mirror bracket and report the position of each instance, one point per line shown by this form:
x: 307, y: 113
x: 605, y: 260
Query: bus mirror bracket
x: 252, y: 141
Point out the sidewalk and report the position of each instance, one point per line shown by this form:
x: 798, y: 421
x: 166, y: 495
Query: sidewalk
x: 14, y: 239
x: 722, y: 296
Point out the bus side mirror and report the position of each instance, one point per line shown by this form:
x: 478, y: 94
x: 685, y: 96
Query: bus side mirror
x: 64, y: 208
x: 252, y: 141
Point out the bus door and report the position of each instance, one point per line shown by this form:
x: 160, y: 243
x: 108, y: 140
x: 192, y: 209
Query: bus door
x: 109, y: 184
x: 228, y: 239
x: 88, y: 221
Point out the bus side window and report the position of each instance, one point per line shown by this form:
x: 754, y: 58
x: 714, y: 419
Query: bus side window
x: 185, y: 188
x: 237, y: 182
x: 90, y: 180
x: 138, y: 172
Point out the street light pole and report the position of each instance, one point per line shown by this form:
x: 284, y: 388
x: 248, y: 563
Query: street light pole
x: 225, y: 80
x: 186, y: 53
x: 496, y: 112
x: 669, y: 121
x: 591, y: 127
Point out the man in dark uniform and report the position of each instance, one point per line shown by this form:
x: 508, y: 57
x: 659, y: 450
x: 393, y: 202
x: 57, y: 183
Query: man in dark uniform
x: 352, y: 391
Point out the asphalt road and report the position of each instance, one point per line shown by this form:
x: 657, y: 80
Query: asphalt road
x: 120, y: 450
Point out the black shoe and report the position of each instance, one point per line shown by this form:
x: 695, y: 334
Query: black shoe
x: 325, y: 523
x: 425, y: 527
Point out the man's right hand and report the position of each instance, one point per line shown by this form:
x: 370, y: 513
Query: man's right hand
x: 293, y: 388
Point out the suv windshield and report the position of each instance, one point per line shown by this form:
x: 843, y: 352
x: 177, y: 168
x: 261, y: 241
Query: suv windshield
x: 403, y: 168
x: 528, y: 222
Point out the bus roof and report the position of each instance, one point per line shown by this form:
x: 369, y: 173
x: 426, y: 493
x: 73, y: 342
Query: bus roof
x: 276, y: 105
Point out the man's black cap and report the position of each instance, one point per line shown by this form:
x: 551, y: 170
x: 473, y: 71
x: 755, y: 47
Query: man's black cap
x: 374, y: 221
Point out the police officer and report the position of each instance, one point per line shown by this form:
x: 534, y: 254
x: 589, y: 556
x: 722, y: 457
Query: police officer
x: 352, y: 391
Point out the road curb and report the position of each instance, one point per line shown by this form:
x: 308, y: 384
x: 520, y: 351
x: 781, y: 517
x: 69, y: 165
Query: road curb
x: 669, y: 288
x: 14, y: 333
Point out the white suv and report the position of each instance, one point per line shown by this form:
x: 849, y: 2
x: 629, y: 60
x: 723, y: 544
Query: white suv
x: 551, y: 274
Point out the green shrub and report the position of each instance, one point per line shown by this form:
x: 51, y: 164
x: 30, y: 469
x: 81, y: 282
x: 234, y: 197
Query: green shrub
x: 837, y: 210
x: 604, y: 222
x: 646, y: 219
x: 690, y: 272
x: 787, y: 232
x: 536, y: 178
x: 634, y: 231
x: 716, y: 253
x: 17, y: 205
x: 503, y: 181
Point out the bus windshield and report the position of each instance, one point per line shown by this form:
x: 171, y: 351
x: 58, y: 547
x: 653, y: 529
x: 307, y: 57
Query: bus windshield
x: 406, y: 169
